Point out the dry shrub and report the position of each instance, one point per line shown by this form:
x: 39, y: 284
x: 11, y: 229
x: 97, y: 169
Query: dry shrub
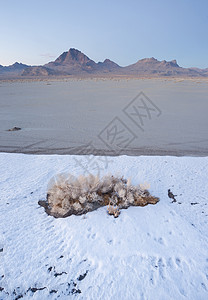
x: 69, y: 195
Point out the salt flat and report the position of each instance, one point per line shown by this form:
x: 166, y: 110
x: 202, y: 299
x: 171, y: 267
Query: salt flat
x: 158, y: 251
x: 64, y: 116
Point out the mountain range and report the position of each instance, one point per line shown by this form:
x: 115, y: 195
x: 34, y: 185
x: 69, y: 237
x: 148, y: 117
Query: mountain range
x: 74, y: 63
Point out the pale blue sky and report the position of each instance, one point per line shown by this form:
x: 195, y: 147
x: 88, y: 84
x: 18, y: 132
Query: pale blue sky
x: 37, y: 31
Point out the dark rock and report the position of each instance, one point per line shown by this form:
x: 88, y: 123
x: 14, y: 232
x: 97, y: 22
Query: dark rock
x: 34, y: 290
x: 43, y: 204
x: 171, y: 196
x: 15, y: 129
x: 19, y: 296
x: 75, y: 291
x: 53, y: 291
x: 81, y: 277
x: 59, y: 274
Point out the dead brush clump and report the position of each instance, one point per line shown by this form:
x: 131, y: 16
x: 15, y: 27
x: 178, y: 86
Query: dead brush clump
x: 69, y: 195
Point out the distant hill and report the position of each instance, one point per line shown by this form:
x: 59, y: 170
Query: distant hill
x: 108, y: 66
x: 38, y: 71
x: 152, y: 66
x: 76, y: 63
x: 13, y: 70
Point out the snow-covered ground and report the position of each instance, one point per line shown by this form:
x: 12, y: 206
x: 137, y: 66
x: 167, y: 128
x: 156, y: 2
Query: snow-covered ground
x: 154, y: 252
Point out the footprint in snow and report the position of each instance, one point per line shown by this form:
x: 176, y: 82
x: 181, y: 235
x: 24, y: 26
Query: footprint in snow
x: 161, y: 267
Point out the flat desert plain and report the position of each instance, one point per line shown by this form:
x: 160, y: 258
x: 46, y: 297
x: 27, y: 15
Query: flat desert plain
x: 105, y: 116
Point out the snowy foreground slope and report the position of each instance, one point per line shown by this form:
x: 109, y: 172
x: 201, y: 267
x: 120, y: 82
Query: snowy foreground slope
x: 153, y: 252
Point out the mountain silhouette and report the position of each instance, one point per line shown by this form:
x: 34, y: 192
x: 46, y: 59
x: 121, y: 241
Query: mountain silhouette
x: 76, y: 63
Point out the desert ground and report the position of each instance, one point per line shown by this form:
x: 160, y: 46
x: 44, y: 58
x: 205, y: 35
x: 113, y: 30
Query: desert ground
x: 64, y: 116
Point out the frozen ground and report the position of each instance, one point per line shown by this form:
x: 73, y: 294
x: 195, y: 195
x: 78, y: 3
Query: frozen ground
x: 152, y: 252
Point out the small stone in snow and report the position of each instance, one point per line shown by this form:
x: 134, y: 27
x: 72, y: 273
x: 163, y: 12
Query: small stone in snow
x: 53, y: 291
x: 81, y: 277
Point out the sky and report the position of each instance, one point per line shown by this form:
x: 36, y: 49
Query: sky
x: 38, y: 31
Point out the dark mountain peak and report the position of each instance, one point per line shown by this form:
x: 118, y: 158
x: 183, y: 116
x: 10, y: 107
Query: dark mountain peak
x: 75, y: 53
x: 72, y: 56
x: 17, y: 65
x: 154, y: 61
x: 72, y: 62
x: 16, y: 68
x: 107, y: 66
x: 107, y: 61
x: 172, y: 63
x: 151, y: 59
x: 148, y: 60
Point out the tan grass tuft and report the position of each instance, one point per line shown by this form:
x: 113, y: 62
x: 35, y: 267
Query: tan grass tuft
x: 69, y: 195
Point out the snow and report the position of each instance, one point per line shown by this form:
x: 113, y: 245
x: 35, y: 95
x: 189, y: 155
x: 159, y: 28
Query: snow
x: 154, y: 252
